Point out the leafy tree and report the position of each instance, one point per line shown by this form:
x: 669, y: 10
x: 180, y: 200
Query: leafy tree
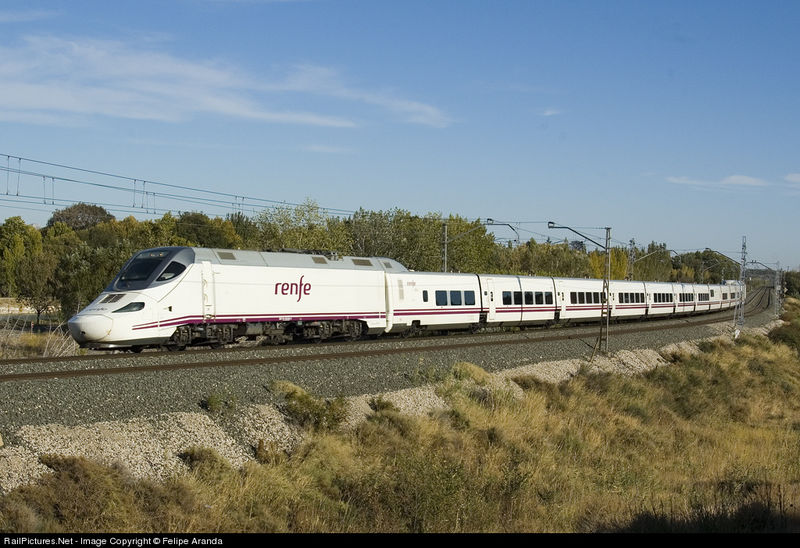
x: 792, y: 282
x: 80, y: 216
x: 557, y: 259
x: 58, y: 239
x: 246, y: 228
x: 413, y: 240
x: 135, y: 235
x: 198, y: 229
x: 653, y: 263
x: 681, y: 273
x: 305, y: 227
x: 16, y: 238
x: 83, y: 273
x: 418, y: 241
x: 36, y: 282
x: 619, y: 263
x: 371, y: 233
x: 705, y: 267
x: 469, y: 247
x: 163, y: 232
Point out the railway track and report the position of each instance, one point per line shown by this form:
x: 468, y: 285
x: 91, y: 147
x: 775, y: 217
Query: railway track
x: 104, y: 365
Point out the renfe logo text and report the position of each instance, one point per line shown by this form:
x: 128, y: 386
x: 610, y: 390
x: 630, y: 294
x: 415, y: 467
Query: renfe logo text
x: 298, y: 289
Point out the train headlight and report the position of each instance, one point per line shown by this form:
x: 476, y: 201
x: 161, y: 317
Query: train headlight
x: 130, y: 307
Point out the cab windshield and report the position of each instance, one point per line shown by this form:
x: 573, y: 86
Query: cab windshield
x: 153, y: 266
x: 139, y: 269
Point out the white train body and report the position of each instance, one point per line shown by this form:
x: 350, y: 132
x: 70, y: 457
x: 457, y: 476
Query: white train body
x: 179, y: 296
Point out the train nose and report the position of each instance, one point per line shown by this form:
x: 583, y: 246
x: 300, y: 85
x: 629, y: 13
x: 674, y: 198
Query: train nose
x: 90, y: 327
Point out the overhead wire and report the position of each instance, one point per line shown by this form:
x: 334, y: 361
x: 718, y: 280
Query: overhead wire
x: 210, y: 198
x: 278, y: 203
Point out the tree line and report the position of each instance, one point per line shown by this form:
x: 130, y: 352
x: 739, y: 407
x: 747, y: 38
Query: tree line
x: 66, y: 264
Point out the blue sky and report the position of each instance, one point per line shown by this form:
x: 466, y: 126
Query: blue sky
x: 670, y: 121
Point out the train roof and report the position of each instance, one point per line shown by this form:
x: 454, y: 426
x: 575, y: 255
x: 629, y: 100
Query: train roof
x: 245, y: 257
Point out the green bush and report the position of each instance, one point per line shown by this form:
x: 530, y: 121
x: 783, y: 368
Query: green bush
x: 308, y: 411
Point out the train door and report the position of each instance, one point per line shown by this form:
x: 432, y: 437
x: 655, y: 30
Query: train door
x: 388, y: 280
x: 209, y: 297
x: 490, y: 302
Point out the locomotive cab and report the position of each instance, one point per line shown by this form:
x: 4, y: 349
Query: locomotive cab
x: 131, y: 299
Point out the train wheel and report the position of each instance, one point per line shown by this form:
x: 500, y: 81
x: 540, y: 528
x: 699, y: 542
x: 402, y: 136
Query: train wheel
x: 354, y: 330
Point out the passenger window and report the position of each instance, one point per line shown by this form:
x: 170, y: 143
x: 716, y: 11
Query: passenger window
x: 469, y: 298
x: 529, y: 297
x: 548, y: 298
x: 581, y: 297
x: 539, y: 297
x: 455, y: 298
x: 517, y: 297
x: 441, y: 298
x: 506, y: 297
x: 573, y: 297
x: 425, y: 295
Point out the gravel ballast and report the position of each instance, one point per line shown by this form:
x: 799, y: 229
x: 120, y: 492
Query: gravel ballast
x: 144, y: 421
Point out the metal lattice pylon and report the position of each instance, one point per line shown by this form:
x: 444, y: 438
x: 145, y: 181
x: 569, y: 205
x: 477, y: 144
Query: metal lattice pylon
x: 738, y: 323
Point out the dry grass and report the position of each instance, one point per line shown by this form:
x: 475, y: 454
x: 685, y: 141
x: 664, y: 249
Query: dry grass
x: 710, y: 443
x: 19, y: 339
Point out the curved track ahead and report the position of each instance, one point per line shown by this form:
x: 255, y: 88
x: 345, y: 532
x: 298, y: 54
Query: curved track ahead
x: 758, y: 300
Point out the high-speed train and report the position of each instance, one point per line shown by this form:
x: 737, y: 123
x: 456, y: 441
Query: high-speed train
x: 173, y: 297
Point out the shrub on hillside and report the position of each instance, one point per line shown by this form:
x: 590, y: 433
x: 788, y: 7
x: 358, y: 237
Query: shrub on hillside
x: 788, y: 334
x: 309, y: 411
